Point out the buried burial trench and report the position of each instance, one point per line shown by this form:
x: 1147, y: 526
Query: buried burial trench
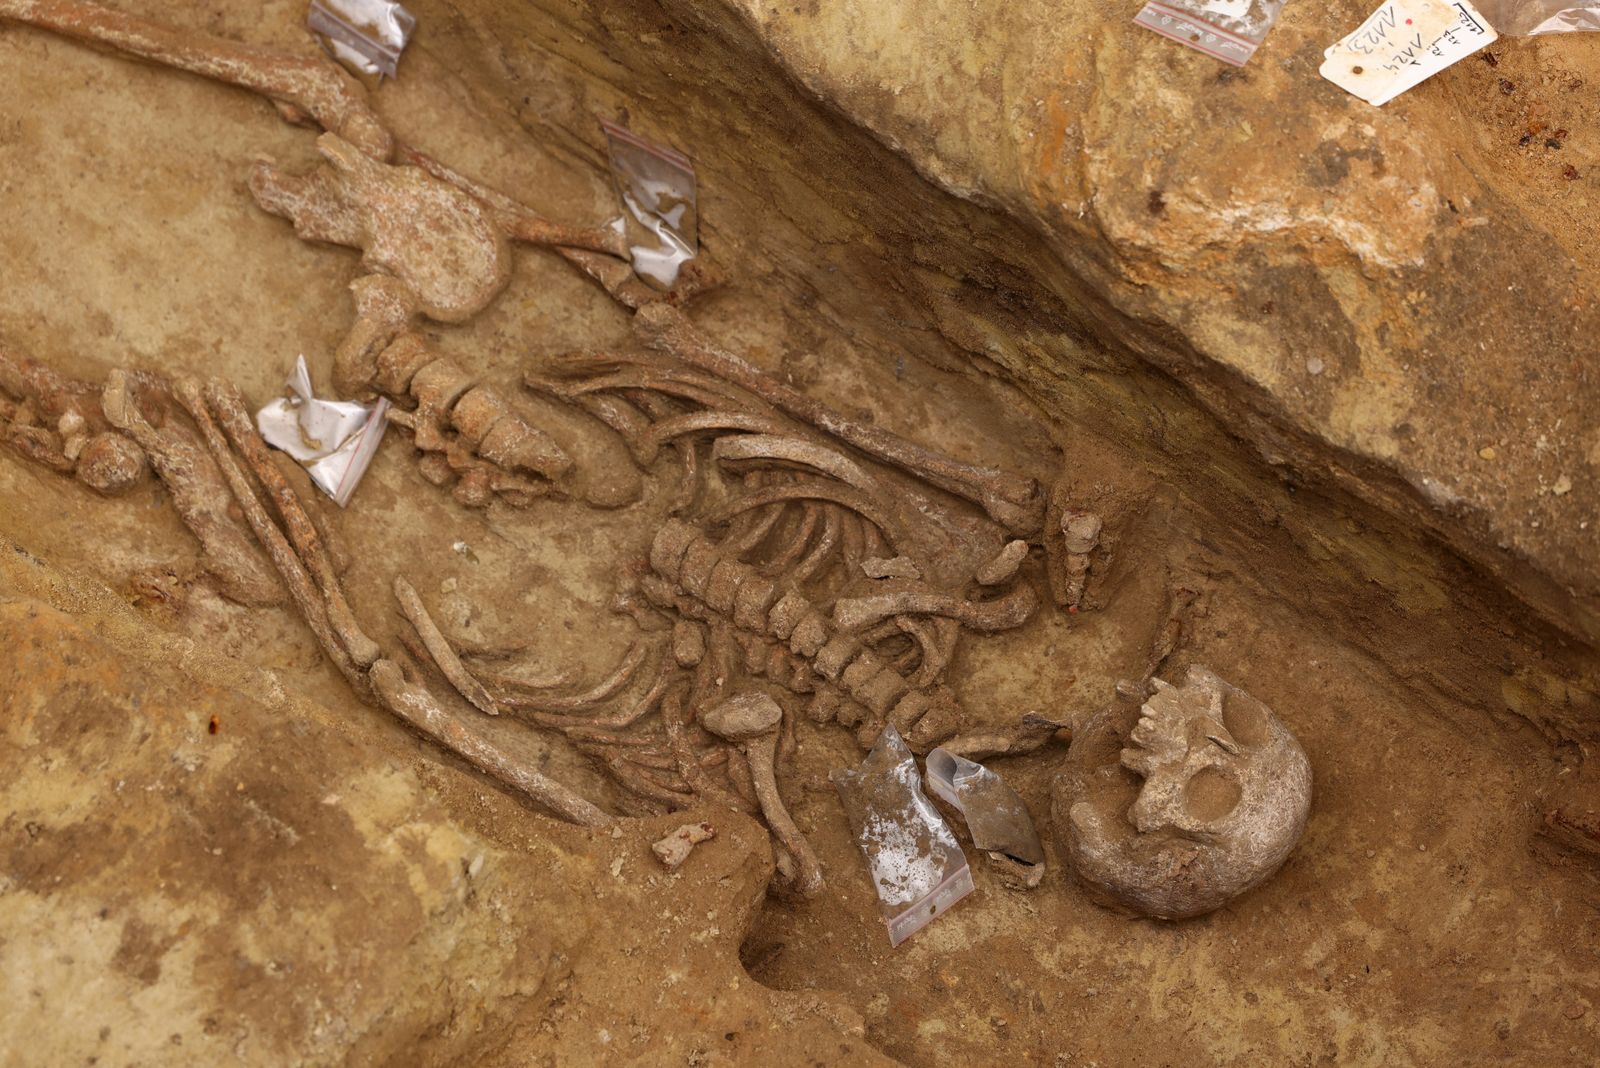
x: 1420, y: 918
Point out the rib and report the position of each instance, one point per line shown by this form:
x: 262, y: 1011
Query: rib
x: 415, y: 705
x: 439, y: 649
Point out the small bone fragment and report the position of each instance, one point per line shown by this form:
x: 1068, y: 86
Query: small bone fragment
x: 415, y: 705
x: 439, y: 648
x: 1004, y: 565
x: 675, y: 848
x: 199, y: 494
x: 752, y: 720
x: 1011, y: 500
x: 876, y: 567
x: 688, y: 642
x: 110, y: 464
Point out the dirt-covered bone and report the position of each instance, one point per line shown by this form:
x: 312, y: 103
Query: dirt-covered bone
x: 442, y: 244
x: 199, y: 494
x: 1173, y: 808
x: 1011, y: 500
x: 309, y: 86
x: 57, y: 421
x: 414, y: 704
x: 439, y: 649
x: 751, y: 720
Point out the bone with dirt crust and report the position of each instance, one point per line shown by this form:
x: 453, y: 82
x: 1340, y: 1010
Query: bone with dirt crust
x: 443, y: 244
x: 302, y: 591
x: 310, y: 85
x: 228, y: 403
x: 1011, y: 500
x: 199, y: 494
x: 751, y: 720
x: 439, y: 648
x: 414, y: 704
x: 1173, y: 808
x: 75, y: 436
x: 675, y: 848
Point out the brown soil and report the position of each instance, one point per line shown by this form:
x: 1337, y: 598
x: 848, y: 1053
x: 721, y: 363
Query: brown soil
x: 1421, y: 920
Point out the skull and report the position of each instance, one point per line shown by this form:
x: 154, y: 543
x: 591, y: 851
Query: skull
x: 1172, y: 808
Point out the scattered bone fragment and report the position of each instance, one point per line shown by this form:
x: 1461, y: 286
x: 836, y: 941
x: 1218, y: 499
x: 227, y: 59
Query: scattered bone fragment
x: 688, y: 643
x: 1033, y: 733
x: 80, y: 440
x: 1003, y: 568
x: 675, y: 848
x: 309, y: 85
x: 1080, y: 533
x: 439, y: 649
x: 199, y: 494
x: 414, y: 704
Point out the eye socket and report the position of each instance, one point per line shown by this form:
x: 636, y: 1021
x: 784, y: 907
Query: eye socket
x: 1246, y: 720
x: 1210, y: 795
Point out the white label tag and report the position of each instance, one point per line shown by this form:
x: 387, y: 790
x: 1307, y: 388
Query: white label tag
x: 1404, y: 43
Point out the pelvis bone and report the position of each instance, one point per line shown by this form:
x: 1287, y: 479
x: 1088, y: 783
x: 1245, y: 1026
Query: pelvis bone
x: 1172, y: 808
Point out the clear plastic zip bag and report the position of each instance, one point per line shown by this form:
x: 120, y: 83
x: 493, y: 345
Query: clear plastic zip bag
x: 1529, y: 18
x: 1229, y: 30
x: 365, y: 35
x: 658, y: 190
x: 916, y: 864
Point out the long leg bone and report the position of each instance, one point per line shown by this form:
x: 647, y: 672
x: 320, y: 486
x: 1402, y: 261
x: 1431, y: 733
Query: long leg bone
x: 1011, y: 500
x: 198, y: 493
x: 226, y: 400
x: 312, y: 85
x: 302, y: 590
x: 414, y: 704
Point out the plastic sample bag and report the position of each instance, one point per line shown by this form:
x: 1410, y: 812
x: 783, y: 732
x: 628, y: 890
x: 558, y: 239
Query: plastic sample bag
x: 658, y: 190
x: 1527, y: 18
x: 1229, y: 30
x: 333, y: 440
x: 997, y: 818
x: 365, y: 35
x: 916, y: 864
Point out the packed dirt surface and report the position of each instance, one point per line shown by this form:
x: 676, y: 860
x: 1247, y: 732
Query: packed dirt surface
x: 211, y: 851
